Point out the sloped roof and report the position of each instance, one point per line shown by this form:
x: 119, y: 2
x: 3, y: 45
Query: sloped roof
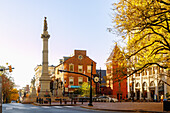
x: 113, y: 53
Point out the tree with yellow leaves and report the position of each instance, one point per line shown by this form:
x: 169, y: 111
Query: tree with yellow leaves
x: 14, y: 95
x: 146, y: 25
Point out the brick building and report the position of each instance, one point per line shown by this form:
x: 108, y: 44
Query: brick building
x: 114, y: 76
x: 79, y: 62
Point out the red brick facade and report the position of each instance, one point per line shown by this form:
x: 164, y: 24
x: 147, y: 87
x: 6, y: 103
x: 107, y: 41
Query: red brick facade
x: 79, y: 59
x: 118, y: 86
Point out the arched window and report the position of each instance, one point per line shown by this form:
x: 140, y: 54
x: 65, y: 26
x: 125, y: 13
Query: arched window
x: 144, y: 86
x: 160, y: 83
x: 138, y: 85
x: 152, y: 84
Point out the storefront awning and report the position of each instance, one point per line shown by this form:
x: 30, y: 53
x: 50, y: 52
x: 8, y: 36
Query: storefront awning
x: 74, y: 86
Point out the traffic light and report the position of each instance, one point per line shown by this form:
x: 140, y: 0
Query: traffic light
x: 10, y: 68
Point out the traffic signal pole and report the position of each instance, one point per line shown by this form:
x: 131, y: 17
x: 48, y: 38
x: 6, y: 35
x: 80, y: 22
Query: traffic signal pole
x: 89, y: 78
x: 10, y: 70
x: 90, y: 102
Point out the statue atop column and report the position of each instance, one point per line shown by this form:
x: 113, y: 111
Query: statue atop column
x: 45, y: 32
x: 45, y: 24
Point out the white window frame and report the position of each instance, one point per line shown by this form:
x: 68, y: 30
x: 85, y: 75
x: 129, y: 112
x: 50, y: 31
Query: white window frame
x: 80, y: 79
x: 71, y: 79
x: 79, y: 68
x: 88, y: 68
x: 71, y: 65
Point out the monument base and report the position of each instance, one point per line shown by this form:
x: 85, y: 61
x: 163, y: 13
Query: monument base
x: 28, y: 100
x: 45, y: 89
x: 45, y: 94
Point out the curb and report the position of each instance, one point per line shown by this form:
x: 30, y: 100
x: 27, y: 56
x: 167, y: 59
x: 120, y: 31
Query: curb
x: 101, y: 109
x: 121, y: 110
x: 37, y: 104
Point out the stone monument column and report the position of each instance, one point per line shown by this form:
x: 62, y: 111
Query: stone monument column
x: 45, y: 78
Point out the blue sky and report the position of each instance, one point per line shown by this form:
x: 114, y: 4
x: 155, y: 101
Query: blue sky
x: 72, y: 24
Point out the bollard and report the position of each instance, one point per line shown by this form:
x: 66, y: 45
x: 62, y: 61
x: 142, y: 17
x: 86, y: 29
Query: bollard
x: 60, y: 101
x: 42, y: 101
x: 82, y: 101
x: 74, y: 101
x: 71, y: 101
x: 50, y: 101
x: 37, y: 100
x: 65, y: 102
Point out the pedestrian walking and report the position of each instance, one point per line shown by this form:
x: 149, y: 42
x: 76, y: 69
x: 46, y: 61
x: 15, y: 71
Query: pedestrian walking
x: 162, y: 97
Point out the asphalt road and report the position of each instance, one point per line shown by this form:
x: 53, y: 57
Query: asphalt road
x: 29, y: 108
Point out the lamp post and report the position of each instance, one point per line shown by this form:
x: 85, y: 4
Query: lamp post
x: 132, y: 89
x: 100, y: 76
x: 90, y: 102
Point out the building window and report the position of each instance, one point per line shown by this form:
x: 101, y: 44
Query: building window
x: 71, y: 67
x: 145, y: 71
x: 89, y: 69
x: 80, y: 68
x: 152, y: 84
x: 71, y: 81
x: 80, y: 81
x: 158, y: 70
x: 153, y: 70
x: 137, y: 85
x: 150, y: 71
x: 119, y: 84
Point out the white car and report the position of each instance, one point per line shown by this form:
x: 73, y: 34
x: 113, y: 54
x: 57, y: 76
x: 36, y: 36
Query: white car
x: 106, y: 99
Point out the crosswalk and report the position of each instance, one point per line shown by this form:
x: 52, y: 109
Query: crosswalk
x: 23, y: 107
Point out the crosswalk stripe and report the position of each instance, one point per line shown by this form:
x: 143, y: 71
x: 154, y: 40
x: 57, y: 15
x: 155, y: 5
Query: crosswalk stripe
x: 45, y: 107
x: 58, y: 107
x: 18, y: 107
x: 69, y: 106
x: 33, y: 107
x: 9, y: 108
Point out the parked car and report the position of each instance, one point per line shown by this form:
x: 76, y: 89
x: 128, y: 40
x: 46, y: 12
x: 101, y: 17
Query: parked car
x: 106, y: 99
x: 13, y: 101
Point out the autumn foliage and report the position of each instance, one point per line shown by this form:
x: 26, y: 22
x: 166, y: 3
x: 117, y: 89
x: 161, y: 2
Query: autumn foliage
x: 145, y: 24
x: 8, y: 91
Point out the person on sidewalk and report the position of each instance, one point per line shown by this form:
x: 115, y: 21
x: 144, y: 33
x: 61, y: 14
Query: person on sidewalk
x: 162, y: 97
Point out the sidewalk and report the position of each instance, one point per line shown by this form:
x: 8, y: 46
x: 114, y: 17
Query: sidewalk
x: 118, y: 106
x: 127, y: 106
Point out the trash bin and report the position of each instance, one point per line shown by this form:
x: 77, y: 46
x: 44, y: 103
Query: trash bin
x: 166, y: 105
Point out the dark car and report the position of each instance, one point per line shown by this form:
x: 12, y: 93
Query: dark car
x: 106, y: 99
